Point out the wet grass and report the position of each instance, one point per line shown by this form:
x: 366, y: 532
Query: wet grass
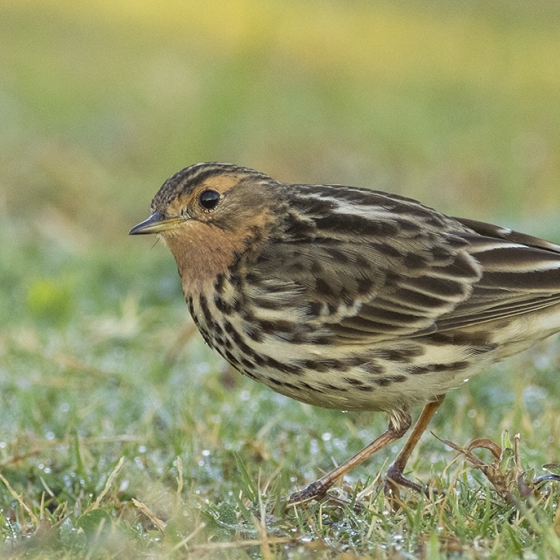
x: 121, y: 434
x: 102, y: 373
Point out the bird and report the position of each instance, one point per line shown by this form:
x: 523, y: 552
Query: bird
x: 350, y: 298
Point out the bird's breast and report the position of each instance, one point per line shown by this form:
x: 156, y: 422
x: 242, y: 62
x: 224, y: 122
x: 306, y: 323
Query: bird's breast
x: 202, y: 252
x: 296, y: 359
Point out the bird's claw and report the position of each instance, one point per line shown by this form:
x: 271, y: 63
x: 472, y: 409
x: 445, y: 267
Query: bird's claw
x: 314, y: 491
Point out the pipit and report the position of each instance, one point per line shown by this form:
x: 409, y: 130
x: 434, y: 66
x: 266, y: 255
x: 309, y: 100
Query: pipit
x: 350, y: 298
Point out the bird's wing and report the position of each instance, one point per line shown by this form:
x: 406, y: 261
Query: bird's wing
x: 389, y: 267
x: 521, y: 274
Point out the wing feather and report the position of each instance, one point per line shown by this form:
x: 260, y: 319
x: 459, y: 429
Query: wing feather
x: 373, y: 267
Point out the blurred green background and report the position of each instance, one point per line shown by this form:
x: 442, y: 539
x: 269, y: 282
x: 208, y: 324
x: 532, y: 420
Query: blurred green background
x: 454, y: 103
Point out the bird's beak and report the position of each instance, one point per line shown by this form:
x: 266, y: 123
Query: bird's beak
x: 156, y: 223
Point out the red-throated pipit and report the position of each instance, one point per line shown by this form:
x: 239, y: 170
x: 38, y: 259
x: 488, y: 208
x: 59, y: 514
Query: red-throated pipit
x: 350, y: 298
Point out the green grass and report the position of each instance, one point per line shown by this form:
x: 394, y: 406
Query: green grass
x: 456, y: 104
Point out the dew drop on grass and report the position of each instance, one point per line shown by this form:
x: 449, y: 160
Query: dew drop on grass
x: 203, y: 367
x: 24, y: 384
x: 306, y: 539
x: 339, y: 443
x: 326, y: 436
x: 397, y: 541
x: 542, y: 361
x: 206, y: 452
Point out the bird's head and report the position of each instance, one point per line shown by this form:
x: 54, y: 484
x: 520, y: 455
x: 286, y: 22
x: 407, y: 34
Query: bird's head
x: 210, y: 213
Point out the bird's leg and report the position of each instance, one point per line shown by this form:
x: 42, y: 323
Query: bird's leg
x: 395, y: 473
x: 399, y: 423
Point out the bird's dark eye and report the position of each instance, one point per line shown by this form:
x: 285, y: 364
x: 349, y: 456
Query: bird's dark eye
x: 209, y: 199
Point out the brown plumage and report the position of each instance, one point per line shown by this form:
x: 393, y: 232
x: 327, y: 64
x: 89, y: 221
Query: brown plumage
x: 351, y: 298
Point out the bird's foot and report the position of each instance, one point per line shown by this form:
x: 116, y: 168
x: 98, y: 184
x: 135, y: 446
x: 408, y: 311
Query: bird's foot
x: 395, y: 479
x: 315, y: 491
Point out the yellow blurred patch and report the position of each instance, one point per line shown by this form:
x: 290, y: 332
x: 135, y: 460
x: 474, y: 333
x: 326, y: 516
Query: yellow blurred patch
x: 358, y: 39
x: 50, y: 300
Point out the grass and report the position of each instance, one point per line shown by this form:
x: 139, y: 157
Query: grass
x: 121, y: 434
